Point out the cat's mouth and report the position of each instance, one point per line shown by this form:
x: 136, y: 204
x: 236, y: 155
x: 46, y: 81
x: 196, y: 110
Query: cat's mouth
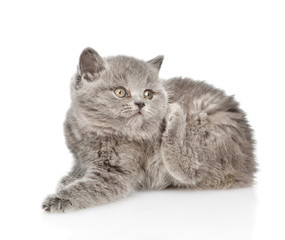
x: 137, y: 113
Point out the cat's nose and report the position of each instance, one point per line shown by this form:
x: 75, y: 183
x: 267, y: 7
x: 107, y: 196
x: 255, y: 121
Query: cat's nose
x: 140, y: 104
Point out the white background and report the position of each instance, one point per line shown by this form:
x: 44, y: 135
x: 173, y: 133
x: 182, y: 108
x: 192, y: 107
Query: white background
x: 236, y: 45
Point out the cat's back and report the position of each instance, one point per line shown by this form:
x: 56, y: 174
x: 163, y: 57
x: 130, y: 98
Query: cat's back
x: 203, y: 101
x: 198, y: 95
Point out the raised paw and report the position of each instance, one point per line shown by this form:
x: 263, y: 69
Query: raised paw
x: 174, y: 113
x: 175, y: 120
x: 54, y: 203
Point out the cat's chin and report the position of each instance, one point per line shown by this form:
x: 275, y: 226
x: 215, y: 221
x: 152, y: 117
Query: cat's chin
x: 138, y: 114
x: 135, y: 121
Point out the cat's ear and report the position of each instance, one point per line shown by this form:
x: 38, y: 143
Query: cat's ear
x: 90, y: 64
x: 156, y: 62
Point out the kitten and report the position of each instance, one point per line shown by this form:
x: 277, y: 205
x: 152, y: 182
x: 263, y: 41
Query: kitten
x: 129, y: 131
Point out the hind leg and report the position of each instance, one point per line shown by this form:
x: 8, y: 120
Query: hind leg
x: 190, y: 155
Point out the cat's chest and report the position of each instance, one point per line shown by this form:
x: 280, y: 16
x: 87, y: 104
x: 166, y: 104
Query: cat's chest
x: 116, y: 153
x: 143, y: 160
x: 154, y: 174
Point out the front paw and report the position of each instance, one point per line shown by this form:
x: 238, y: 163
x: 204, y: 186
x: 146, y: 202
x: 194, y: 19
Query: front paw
x: 175, y: 113
x: 54, y: 203
x: 175, y: 120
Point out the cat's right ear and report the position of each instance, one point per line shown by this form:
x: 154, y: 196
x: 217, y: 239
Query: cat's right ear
x: 90, y: 64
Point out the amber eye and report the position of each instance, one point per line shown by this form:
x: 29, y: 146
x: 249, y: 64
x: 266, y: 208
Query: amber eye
x: 148, y: 94
x: 120, y: 92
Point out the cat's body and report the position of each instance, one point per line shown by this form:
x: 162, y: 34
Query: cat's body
x: 130, y: 131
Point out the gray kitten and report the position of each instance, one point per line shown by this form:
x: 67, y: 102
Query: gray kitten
x: 129, y: 131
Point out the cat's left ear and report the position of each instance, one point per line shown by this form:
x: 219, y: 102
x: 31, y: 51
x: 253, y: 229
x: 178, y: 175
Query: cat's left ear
x: 90, y: 64
x: 156, y: 62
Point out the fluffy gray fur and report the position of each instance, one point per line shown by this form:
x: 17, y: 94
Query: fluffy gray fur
x: 189, y: 134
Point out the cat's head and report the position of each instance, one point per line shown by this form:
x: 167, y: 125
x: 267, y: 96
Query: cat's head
x: 119, y: 95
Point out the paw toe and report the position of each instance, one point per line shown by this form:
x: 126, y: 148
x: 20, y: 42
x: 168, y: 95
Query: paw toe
x: 56, y: 204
